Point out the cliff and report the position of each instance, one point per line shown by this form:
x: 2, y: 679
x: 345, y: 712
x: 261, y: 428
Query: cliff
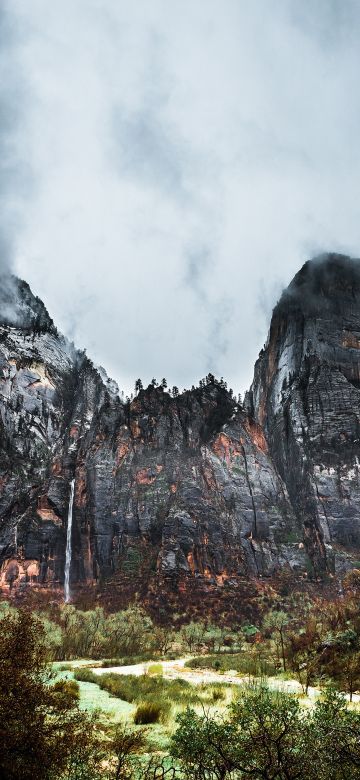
x: 195, y: 486
x: 306, y: 393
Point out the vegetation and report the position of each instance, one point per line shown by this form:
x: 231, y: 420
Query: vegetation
x: 265, y: 735
x: 170, y: 728
x: 152, y: 712
x: 42, y: 731
x: 132, y: 688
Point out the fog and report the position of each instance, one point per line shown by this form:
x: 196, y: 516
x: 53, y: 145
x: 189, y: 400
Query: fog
x: 167, y: 167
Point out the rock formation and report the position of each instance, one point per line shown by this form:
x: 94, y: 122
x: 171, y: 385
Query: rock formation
x: 306, y: 394
x: 195, y: 485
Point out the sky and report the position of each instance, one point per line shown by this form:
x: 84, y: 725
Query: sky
x: 166, y: 166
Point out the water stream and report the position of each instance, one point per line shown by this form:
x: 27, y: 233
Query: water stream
x: 68, y: 543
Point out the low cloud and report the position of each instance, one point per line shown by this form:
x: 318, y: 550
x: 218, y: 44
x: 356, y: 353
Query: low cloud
x: 167, y: 167
x: 15, y: 177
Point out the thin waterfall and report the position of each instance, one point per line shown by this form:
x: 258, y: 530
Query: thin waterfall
x: 68, y: 543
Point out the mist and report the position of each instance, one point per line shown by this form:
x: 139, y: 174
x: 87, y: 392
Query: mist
x: 167, y: 168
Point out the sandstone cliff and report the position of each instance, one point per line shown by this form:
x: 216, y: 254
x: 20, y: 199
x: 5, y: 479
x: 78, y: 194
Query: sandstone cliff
x: 191, y: 486
x: 305, y: 394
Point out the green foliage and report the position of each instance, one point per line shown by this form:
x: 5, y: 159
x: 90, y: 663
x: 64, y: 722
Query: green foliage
x: 69, y: 688
x: 192, y: 636
x: 42, y: 731
x: 249, y: 632
x: 139, y: 689
x: 266, y: 736
x: 155, y: 669
x: 252, y: 662
x: 126, y: 745
x: 131, y: 564
x: 86, y: 675
x: 152, y: 712
x: 213, y: 638
x: 92, y: 634
x: 276, y: 622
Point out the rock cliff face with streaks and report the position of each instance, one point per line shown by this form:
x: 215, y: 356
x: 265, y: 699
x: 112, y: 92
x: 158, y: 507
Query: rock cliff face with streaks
x: 306, y: 394
x: 193, y: 486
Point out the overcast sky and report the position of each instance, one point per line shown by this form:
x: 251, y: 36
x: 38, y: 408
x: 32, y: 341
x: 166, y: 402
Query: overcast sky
x: 168, y: 165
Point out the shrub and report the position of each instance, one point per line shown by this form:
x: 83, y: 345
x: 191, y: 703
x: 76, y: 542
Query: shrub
x: 148, y: 712
x: 218, y: 694
x: 86, y: 675
x: 239, y: 662
x: 112, y: 662
x: 69, y: 688
x: 155, y: 669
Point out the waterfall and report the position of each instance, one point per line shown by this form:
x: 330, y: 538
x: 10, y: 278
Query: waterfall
x: 68, y: 543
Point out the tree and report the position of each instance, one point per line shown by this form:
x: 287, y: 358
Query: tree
x: 163, y: 639
x: 335, y: 738
x: 175, y: 391
x: 126, y: 744
x: 164, y: 383
x: 267, y: 736
x: 340, y: 659
x: 303, y: 651
x: 42, y: 731
x: 130, y: 632
x: 259, y: 739
x: 213, y: 638
x: 275, y: 622
x: 192, y: 635
x: 138, y: 386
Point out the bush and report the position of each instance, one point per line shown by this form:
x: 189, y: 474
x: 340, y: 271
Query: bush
x: 86, y: 675
x: 266, y: 734
x: 69, y: 688
x: 218, y: 694
x: 239, y: 662
x: 155, y: 669
x: 151, y: 712
x: 112, y: 662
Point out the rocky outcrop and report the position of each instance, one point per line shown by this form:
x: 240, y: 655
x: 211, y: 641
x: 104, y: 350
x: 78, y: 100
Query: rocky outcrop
x: 306, y: 394
x: 190, y: 486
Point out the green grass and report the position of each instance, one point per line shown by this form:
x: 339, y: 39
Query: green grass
x: 238, y: 662
x: 131, y: 688
x: 94, y: 698
x: 152, y: 712
x: 155, y: 669
x: 128, y: 660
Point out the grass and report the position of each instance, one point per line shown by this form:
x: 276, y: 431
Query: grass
x: 132, y: 688
x: 93, y: 698
x: 128, y: 660
x: 237, y: 662
x: 152, y: 712
x: 155, y: 669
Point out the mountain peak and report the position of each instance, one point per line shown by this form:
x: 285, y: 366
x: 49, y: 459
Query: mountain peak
x: 327, y: 274
x: 20, y: 308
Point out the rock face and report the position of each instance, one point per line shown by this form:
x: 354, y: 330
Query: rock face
x: 189, y: 486
x: 306, y: 394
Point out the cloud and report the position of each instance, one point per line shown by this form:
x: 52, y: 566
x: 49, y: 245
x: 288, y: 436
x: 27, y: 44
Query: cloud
x: 15, y: 175
x: 147, y: 152
x: 172, y: 165
x: 197, y: 264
